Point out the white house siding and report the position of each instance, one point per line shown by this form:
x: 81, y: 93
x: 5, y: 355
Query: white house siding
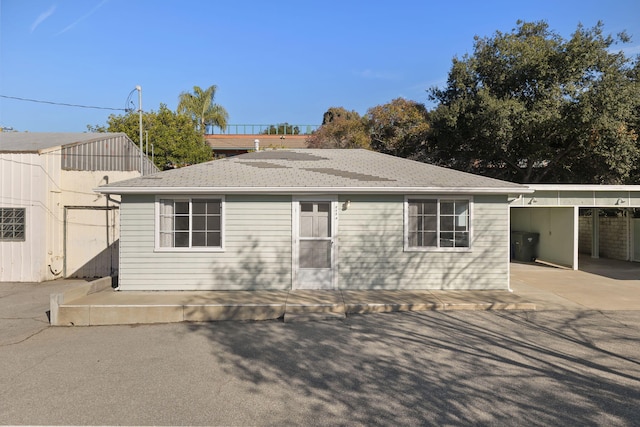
x: 257, y: 255
x: 32, y: 182
x: 372, y: 256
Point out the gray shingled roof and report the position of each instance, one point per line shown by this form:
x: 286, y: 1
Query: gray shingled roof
x: 309, y: 170
x: 33, y: 142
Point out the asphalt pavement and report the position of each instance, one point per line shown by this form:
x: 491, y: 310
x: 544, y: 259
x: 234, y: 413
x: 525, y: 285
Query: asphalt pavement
x: 569, y: 366
x: 24, y: 308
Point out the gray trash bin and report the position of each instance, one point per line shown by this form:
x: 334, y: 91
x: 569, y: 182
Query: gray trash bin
x: 524, y: 246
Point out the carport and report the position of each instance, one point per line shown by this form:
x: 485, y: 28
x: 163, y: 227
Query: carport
x: 553, y: 212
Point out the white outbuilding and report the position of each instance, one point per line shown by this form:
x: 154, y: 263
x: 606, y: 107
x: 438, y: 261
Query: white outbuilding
x: 52, y: 225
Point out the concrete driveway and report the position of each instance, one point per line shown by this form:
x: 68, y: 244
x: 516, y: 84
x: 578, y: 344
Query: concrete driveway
x: 601, y: 284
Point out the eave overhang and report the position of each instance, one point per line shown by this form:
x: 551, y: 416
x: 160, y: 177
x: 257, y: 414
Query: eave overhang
x: 313, y: 190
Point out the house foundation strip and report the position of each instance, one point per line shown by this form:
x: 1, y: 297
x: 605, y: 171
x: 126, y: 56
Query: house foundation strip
x: 482, y: 300
x: 306, y: 305
x: 386, y: 301
x: 109, y: 307
x: 235, y: 305
x: 141, y: 307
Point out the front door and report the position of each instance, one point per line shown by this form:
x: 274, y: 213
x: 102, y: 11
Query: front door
x: 314, y: 250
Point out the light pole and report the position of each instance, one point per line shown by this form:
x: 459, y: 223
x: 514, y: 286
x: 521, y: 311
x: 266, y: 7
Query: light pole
x: 139, y: 89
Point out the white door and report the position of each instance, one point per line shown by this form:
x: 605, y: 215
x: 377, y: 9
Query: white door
x: 636, y: 239
x: 314, y: 249
x: 91, y: 242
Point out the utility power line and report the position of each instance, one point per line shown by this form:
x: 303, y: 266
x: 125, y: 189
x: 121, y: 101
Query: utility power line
x: 62, y: 103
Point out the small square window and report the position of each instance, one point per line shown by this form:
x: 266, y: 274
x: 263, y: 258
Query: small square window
x: 12, y: 224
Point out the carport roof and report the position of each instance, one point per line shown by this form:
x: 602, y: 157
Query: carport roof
x: 581, y: 195
x: 314, y: 171
x: 583, y: 187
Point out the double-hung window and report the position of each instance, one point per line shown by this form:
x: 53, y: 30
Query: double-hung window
x: 12, y: 224
x: 190, y: 223
x: 437, y: 224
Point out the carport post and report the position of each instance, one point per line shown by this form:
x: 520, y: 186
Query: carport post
x: 595, y: 233
x: 628, y: 213
x: 576, y: 236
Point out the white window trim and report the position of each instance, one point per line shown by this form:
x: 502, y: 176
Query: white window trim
x: 408, y: 248
x: 158, y: 248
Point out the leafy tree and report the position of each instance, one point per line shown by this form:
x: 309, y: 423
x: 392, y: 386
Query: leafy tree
x: 399, y: 128
x: 340, y: 129
x: 175, y: 142
x: 635, y: 174
x: 200, y: 107
x: 530, y: 106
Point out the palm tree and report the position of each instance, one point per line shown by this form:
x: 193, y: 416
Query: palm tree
x: 199, y: 105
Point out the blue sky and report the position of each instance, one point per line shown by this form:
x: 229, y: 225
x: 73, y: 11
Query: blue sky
x: 273, y: 61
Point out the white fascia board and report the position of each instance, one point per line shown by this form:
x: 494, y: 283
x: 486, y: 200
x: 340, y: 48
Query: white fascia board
x: 311, y: 190
x: 582, y: 187
x: 50, y: 149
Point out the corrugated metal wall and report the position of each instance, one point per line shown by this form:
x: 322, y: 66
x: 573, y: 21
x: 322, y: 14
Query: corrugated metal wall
x: 35, y: 182
x: 28, y: 181
x: 116, y: 153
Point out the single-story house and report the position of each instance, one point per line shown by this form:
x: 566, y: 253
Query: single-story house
x: 52, y: 223
x: 314, y: 219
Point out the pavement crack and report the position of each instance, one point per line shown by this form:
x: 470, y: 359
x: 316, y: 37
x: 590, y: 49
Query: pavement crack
x: 604, y: 314
x: 24, y: 339
x: 38, y: 319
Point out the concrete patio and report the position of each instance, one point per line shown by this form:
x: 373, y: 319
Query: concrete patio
x: 603, y: 285
x: 109, y: 307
